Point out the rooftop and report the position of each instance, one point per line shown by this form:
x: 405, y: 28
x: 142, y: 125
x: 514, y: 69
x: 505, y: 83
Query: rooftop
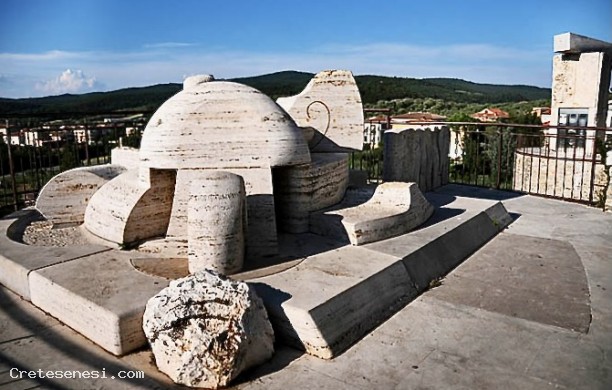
x: 532, y: 309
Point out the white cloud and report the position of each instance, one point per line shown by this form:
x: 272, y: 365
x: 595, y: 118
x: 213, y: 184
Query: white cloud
x: 168, y: 45
x: 70, y: 81
x: 52, y: 55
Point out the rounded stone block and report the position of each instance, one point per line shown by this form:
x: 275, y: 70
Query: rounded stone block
x: 64, y: 198
x: 216, y: 223
x: 127, y: 210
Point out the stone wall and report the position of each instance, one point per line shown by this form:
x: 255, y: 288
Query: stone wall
x: 558, y: 177
x: 417, y: 155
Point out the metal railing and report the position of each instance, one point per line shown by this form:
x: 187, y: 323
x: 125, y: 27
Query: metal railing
x: 569, y: 163
x: 565, y: 162
x: 34, y: 148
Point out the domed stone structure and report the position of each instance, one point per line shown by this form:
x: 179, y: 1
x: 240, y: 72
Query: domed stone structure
x: 221, y: 124
x: 209, y: 125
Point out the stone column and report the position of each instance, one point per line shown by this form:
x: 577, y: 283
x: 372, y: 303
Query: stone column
x: 417, y: 155
x: 216, y: 223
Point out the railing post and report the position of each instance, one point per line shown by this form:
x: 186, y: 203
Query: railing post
x: 500, y: 150
x: 87, y: 144
x: 11, y: 167
x: 593, y: 166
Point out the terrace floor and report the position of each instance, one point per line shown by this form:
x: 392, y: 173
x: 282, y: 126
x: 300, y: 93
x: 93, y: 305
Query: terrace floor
x: 532, y: 309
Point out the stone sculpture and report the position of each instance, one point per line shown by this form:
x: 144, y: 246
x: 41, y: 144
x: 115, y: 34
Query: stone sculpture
x: 205, y: 329
x: 393, y: 209
x: 64, y: 198
x: 217, y: 219
x: 417, y: 155
x: 222, y: 169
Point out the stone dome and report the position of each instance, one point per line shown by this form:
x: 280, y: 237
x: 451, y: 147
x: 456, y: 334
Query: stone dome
x: 221, y: 124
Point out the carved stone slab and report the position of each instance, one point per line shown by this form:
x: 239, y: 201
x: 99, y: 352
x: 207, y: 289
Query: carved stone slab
x: 394, y: 209
x: 330, y: 104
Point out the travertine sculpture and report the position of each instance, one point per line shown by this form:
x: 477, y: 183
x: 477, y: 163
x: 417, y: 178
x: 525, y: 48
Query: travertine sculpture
x: 212, y: 125
x: 417, y: 155
x: 64, y: 198
x: 394, y: 208
x: 217, y: 223
x: 204, y: 330
x: 218, y: 125
x: 222, y: 169
x: 330, y: 110
x: 132, y: 207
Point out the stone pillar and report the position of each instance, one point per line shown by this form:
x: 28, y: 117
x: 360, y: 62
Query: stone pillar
x: 417, y: 155
x: 216, y: 222
x: 581, y: 77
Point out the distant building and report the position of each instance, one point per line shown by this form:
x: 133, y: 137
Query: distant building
x: 374, y: 128
x: 543, y: 113
x: 491, y: 115
x: 404, y: 121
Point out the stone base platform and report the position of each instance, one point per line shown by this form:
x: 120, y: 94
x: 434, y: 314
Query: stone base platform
x: 332, y: 299
x: 322, y: 295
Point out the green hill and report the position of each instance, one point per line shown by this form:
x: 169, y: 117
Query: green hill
x: 286, y: 83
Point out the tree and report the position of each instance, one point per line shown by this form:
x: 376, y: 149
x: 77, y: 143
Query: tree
x: 68, y: 159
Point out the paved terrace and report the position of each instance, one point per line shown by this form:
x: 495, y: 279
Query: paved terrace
x: 532, y: 309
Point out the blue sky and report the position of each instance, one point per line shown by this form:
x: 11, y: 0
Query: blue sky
x: 49, y: 47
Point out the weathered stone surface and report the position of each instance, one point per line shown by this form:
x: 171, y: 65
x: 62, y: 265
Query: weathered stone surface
x: 331, y: 105
x: 219, y: 124
x: 217, y: 223
x: 126, y: 157
x: 394, y: 209
x: 64, y: 198
x: 310, y: 187
x: 417, y: 155
x: 204, y: 330
x: 17, y: 261
x: 332, y: 299
x: 100, y: 295
x: 131, y: 208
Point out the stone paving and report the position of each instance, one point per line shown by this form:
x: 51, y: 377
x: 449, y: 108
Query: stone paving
x: 531, y: 310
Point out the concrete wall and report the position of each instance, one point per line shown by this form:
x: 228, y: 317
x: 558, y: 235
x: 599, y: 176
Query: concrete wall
x: 417, y: 155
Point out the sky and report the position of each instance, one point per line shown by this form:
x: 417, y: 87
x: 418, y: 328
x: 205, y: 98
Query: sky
x: 52, y: 47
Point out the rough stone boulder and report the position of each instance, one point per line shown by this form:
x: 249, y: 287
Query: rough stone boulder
x: 205, y: 329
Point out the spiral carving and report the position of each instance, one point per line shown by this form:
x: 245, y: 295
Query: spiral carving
x: 309, y: 117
